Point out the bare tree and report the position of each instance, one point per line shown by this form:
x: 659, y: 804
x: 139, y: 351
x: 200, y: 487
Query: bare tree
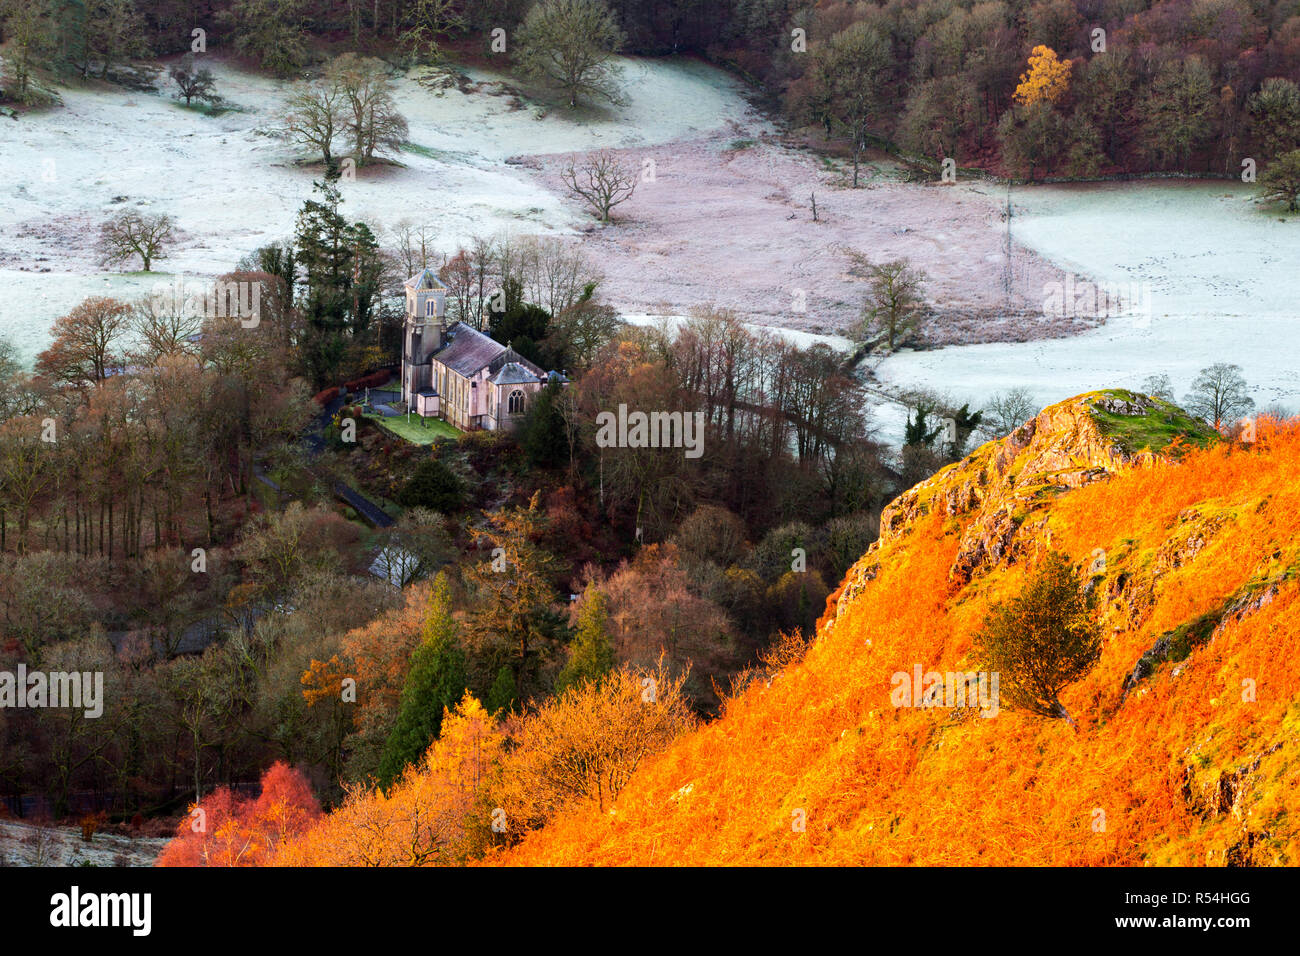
x: 895, y: 302
x: 373, y: 121
x: 571, y: 44
x: 316, y: 116
x: 1158, y: 386
x: 130, y: 234
x: 193, y: 84
x: 555, y: 272
x: 1218, y: 395
x: 164, y: 327
x: 1006, y: 411
x: 413, y: 245
x: 602, y: 179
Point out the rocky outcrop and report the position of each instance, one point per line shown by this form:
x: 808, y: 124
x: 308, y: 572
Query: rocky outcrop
x: 1002, y: 488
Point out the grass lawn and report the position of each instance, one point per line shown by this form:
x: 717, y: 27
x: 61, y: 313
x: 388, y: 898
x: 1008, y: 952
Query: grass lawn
x: 420, y: 431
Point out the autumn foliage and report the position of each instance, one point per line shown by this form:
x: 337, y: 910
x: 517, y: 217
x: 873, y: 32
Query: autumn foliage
x: 485, y: 783
x: 225, y: 830
x: 1186, y: 753
x: 1183, y: 750
x: 1047, y: 79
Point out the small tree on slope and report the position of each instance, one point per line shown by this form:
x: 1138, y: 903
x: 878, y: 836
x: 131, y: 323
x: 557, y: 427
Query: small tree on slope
x: 1042, y: 640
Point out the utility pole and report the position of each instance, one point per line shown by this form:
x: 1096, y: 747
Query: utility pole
x: 1006, y: 271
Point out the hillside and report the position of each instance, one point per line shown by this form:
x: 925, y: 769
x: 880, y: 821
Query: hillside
x: 1187, y: 746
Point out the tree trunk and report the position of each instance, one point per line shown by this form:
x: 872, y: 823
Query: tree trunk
x: 1065, y: 715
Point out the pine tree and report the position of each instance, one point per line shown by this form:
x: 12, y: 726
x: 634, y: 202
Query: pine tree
x: 435, y: 682
x: 591, y: 656
x: 918, y: 431
x: 342, y: 270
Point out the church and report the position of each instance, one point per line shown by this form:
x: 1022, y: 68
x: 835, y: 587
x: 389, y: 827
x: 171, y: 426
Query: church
x: 458, y: 373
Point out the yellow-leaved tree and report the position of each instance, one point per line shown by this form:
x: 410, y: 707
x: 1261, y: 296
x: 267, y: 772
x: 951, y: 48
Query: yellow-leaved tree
x: 434, y: 814
x: 1046, y: 80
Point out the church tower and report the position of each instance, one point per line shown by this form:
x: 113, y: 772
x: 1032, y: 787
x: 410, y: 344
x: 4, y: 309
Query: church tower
x: 423, y: 331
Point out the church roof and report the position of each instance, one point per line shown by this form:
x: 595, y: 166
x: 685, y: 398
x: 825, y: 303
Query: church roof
x: 512, y: 373
x: 424, y: 279
x: 470, y: 351
x: 522, y: 367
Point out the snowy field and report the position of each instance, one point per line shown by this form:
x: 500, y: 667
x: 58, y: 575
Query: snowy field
x: 23, y: 844
x: 725, y: 222
x: 1222, y: 274
x: 233, y: 183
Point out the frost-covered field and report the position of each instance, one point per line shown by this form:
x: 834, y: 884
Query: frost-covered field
x: 23, y: 844
x: 726, y: 222
x: 1223, y: 276
x: 232, y: 183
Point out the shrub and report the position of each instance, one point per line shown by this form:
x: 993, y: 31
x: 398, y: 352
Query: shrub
x: 434, y: 486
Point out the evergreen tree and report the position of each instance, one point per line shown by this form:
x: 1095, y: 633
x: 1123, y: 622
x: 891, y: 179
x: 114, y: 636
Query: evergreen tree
x: 918, y: 431
x: 342, y: 278
x: 966, y: 421
x: 544, y: 435
x: 435, y: 682
x: 503, y: 693
x: 591, y: 655
x: 513, y: 588
x: 520, y: 324
x: 433, y: 486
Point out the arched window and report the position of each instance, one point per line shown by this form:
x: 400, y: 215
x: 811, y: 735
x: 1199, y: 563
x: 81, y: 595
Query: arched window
x: 429, y: 306
x: 516, y: 404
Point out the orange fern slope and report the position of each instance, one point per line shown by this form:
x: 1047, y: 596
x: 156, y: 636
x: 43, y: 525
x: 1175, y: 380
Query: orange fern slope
x: 1187, y: 748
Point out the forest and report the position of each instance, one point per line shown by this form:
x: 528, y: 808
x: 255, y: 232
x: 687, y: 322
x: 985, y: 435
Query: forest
x: 1064, y: 88
x: 169, y: 515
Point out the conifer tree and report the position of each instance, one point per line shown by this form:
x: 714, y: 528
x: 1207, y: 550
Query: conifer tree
x: 435, y: 682
x: 590, y: 655
x: 503, y: 692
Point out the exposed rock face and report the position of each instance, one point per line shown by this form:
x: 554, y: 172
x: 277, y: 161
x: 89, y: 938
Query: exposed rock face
x: 1188, y: 539
x: 1004, y: 486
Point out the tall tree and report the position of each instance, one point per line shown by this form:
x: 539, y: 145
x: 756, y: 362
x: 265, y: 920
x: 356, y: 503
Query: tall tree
x: 570, y: 44
x: 373, y: 122
x: 591, y: 655
x: 273, y: 32
x: 850, y: 72
x: 29, y: 41
x: 1175, y: 113
x: 1275, y: 108
x: 435, y: 682
x: 513, y: 586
